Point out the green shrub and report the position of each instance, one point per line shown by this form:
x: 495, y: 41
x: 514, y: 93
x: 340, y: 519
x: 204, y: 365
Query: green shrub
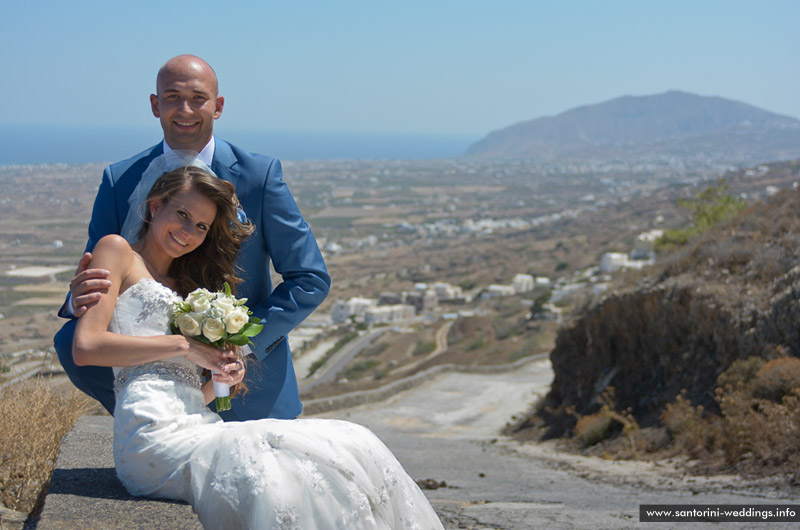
x: 741, y: 374
x: 423, y: 348
x: 476, y: 344
x: 709, y: 207
x: 359, y: 369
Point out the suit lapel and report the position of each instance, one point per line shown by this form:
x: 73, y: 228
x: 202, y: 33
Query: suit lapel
x: 225, y: 162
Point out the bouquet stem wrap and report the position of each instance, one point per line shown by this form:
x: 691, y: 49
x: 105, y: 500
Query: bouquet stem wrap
x: 222, y: 395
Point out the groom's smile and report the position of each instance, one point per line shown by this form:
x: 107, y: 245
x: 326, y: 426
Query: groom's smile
x: 187, y: 103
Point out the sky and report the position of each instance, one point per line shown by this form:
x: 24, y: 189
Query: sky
x: 418, y: 67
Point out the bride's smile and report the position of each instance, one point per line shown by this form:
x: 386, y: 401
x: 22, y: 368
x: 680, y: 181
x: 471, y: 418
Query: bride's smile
x: 180, y: 224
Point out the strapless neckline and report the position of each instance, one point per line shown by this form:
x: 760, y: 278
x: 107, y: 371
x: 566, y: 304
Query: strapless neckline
x: 141, y: 284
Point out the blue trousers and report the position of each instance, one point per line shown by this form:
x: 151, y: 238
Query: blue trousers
x: 95, y: 381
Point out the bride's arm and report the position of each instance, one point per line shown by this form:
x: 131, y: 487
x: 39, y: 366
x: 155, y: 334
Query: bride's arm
x: 95, y: 345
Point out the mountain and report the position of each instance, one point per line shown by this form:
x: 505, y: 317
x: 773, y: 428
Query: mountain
x: 672, y: 124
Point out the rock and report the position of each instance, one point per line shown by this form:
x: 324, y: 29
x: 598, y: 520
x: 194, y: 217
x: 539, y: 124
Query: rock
x: 11, y: 519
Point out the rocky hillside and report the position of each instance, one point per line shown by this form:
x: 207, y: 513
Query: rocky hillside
x: 730, y: 294
x: 648, y: 127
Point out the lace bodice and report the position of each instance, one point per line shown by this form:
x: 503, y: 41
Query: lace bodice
x: 145, y: 309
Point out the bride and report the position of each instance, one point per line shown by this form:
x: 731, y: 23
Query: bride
x: 263, y: 474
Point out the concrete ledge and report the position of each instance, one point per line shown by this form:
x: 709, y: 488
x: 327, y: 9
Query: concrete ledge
x: 85, y: 493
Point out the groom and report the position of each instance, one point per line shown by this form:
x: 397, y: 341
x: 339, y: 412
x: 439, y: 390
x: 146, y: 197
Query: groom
x: 187, y: 103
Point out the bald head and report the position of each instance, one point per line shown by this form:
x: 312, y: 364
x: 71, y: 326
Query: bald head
x: 187, y: 67
x: 187, y: 102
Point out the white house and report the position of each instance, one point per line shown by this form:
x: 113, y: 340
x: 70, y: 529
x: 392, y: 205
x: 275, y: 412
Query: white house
x: 389, y: 314
x: 496, y: 290
x: 522, y: 283
x: 344, y: 309
x: 445, y: 291
x: 613, y: 261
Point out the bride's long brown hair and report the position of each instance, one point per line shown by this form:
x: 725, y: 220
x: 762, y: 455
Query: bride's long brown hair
x: 214, y: 262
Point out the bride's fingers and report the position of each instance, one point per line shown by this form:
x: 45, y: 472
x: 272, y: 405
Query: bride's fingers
x: 231, y: 377
x: 236, y: 366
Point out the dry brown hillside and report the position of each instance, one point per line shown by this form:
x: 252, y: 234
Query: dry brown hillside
x: 703, y: 323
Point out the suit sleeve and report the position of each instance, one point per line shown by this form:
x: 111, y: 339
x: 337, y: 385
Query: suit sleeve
x: 295, y: 256
x: 104, y: 221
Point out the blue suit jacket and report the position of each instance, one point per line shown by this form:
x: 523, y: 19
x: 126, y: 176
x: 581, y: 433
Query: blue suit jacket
x: 281, y: 235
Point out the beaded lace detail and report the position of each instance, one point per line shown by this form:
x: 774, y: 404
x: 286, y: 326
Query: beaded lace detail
x: 154, y: 297
x: 157, y: 370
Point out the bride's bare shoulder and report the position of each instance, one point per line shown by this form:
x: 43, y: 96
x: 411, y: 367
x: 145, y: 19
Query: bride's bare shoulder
x: 112, y: 252
x: 113, y: 243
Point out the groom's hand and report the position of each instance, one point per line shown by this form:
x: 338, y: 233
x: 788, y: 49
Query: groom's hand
x: 87, y: 285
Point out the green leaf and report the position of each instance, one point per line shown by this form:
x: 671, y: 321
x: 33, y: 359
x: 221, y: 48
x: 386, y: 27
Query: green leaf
x: 238, y: 339
x: 251, y: 330
x: 203, y: 339
x: 227, y: 289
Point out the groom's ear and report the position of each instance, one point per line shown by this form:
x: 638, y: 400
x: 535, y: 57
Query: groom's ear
x: 220, y: 102
x: 154, y: 106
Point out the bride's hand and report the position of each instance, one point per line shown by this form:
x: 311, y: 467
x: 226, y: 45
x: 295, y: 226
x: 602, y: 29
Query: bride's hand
x: 232, y: 373
x: 209, y: 357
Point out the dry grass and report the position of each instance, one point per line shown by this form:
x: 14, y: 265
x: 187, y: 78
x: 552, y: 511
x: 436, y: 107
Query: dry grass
x: 591, y: 429
x: 35, y: 418
x: 751, y: 435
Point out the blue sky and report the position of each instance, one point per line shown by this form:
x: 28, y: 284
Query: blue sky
x: 417, y: 67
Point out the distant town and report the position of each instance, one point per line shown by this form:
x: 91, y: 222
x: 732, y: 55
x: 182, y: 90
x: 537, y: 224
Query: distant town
x: 408, y: 242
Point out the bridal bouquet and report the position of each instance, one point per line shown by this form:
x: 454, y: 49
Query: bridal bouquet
x: 219, y: 319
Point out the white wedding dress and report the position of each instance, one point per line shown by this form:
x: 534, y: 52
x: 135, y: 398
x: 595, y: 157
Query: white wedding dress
x: 266, y: 474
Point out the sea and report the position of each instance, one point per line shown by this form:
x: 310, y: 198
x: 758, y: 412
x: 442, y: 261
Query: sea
x: 27, y: 144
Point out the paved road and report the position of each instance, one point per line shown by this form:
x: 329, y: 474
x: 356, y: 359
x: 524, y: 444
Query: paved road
x: 447, y: 429
x: 327, y: 373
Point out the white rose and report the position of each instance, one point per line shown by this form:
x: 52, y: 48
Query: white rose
x: 199, y: 293
x: 225, y: 305
x: 189, y: 324
x: 200, y: 300
x: 235, y: 321
x: 213, y: 328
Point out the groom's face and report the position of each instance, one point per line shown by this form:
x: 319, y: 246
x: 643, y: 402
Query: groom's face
x: 187, y: 105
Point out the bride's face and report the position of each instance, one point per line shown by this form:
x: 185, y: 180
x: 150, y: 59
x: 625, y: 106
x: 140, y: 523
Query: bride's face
x: 180, y: 224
